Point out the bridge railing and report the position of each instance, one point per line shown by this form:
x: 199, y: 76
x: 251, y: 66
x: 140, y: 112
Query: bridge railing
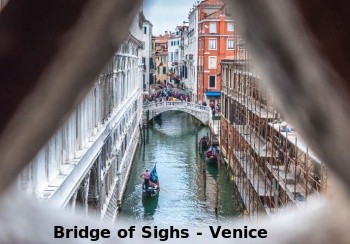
x: 156, y: 105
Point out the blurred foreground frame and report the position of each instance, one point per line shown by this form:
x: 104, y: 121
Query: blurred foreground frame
x: 50, y: 56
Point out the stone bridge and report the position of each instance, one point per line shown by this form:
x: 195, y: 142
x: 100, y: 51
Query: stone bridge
x: 200, y: 112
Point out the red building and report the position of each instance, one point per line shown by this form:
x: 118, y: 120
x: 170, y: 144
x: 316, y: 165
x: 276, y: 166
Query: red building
x: 215, y: 43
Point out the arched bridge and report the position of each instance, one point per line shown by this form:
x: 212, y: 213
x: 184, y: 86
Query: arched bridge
x: 200, y: 112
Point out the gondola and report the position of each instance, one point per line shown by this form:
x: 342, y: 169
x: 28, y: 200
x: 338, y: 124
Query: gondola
x: 212, y: 155
x: 204, y: 142
x: 153, y: 187
x: 158, y: 116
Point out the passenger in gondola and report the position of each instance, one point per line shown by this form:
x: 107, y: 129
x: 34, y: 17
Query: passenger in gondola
x: 146, y: 176
x: 212, y: 153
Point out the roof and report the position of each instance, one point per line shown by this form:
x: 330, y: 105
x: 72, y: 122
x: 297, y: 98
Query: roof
x: 213, y: 2
x: 162, y: 38
x: 180, y: 27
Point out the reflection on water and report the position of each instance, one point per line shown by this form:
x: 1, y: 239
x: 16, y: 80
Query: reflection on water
x: 150, y: 205
x: 193, y: 193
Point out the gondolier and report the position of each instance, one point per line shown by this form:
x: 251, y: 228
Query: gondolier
x: 151, y: 183
x: 146, y: 176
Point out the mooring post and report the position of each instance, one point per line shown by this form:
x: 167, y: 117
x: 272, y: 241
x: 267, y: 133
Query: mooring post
x: 144, y: 134
x: 140, y: 127
x: 147, y: 118
x: 196, y: 137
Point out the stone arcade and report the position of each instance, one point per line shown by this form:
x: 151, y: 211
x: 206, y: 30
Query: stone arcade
x: 86, y: 163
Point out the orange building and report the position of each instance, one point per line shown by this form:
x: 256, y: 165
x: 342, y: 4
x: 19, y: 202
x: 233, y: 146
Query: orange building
x: 160, y: 49
x: 215, y: 43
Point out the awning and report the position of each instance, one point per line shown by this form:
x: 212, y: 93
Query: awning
x: 212, y: 94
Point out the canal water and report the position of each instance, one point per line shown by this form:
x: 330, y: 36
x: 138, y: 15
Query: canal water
x: 193, y: 193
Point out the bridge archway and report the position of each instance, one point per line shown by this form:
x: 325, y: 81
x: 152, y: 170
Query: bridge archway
x: 199, y: 112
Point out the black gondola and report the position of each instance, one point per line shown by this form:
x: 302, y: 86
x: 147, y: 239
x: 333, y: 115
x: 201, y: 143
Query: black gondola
x: 153, y: 187
x: 204, y: 142
x: 158, y: 116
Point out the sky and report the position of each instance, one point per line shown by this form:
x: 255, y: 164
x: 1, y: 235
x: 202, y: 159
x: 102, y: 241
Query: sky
x: 165, y: 15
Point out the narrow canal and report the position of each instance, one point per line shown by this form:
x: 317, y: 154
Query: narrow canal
x: 193, y: 193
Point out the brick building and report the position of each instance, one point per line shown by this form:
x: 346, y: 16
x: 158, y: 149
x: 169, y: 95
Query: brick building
x: 273, y: 167
x: 215, y: 43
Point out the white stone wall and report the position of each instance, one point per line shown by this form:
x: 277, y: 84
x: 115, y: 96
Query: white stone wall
x: 86, y: 163
x: 192, y: 65
x: 147, y: 52
x: 173, y: 55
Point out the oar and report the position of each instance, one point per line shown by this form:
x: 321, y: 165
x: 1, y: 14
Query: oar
x: 162, y: 188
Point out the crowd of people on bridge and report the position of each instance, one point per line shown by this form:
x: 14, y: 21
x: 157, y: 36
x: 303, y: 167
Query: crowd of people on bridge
x: 167, y: 95
x: 214, y: 108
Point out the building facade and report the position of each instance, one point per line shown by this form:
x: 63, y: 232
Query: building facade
x: 272, y: 165
x: 85, y: 165
x: 161, y: 58
x: 147, y: 59
x: 191, y: 54
x: 215, y: 40
x: 173, y: 57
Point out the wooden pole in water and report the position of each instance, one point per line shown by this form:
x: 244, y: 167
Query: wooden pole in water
x: 144, y: 134
x: 197, y: 145
x: 217, y: 194
x: 141, y: 136
x: 204, y: 177
x: 147, y: 118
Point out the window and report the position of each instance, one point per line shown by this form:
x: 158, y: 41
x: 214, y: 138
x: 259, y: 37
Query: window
x: 212, y: 44
x: 164, y: 70
x: 212, y: 62
x: 212, y: 28
x: 230, y: 44
x: 212, y: 81
x: 230, y: 27
x: 144, y: 30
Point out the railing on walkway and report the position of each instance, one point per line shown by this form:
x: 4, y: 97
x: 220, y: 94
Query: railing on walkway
x: 179, y: 104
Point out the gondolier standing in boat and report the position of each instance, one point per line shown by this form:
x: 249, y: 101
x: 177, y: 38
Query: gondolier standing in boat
x: 146, y: 176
